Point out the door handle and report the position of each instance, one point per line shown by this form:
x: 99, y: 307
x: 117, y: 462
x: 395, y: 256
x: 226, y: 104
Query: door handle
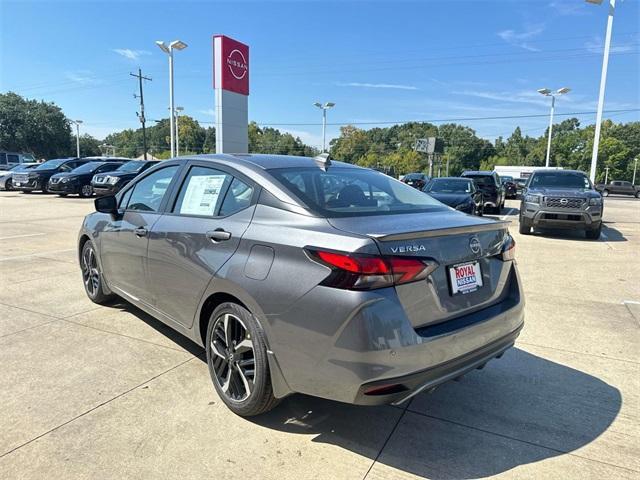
x: 218, y: 235
x: 141, y: 232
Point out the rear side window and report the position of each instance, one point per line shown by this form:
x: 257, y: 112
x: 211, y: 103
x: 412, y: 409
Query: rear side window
x: 237, y: 198
x: 13, y: 159
x: 148, y: 193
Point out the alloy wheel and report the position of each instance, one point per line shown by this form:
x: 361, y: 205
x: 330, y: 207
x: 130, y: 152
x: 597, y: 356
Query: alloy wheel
x: 233, y: 357
x: 87, y: 190
x: 90, y: 273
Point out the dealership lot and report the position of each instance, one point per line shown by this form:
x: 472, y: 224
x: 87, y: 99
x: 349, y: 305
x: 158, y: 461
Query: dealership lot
x: 109, y: 392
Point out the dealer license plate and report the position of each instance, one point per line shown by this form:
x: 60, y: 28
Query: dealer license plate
x: 465, y: 278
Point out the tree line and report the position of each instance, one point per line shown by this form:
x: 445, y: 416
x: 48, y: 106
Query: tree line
x: 42, y: 129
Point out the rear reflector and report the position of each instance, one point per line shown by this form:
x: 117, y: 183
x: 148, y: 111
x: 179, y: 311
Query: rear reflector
x: 385, y: 389
x: 364, y: 272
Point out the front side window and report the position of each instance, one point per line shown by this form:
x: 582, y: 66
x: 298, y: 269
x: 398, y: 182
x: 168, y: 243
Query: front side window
x: 202, y: 192
x: 343, y: 191
x: 148, y: 193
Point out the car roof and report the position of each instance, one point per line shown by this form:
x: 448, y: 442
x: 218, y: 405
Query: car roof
x: 478, y: 172
x: 452, y: 178
x: 558, y: 171
x: 267, y: 161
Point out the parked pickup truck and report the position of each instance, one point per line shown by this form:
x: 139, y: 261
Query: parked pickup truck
x: 618, y: 187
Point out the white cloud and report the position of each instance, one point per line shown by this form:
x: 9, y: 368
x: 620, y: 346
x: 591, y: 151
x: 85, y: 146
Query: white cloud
x: 597, y: 46
x: 82, y: 77
x: 569, y: 8
x: 520, y: 39
x: 131, y: 54
x: 209, y: 111
x: 533, y: 98
x: 377, y: 85
x: 308, y: 138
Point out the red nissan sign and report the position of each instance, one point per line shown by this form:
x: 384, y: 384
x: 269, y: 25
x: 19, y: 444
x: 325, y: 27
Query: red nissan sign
x: 230, y: 65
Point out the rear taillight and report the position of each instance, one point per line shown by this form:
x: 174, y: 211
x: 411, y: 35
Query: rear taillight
x: 365, y: 272
x: 508, y: 248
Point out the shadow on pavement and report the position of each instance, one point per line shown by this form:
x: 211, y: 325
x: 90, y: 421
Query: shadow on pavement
x: 519, y: 410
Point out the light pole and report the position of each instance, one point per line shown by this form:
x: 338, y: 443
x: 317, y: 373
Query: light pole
x: 168, y: 49
x: 548, y: 93
x: 606, y: 175
x: 603, y: 81
x: 635, y: 167
x: 178, y: 110
x: 77, y: 122
x: 324, y: 107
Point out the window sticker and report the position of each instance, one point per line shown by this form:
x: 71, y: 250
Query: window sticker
x: 202, y: 194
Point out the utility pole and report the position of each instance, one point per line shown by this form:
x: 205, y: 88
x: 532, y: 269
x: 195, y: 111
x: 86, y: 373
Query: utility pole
x: 141, y: 113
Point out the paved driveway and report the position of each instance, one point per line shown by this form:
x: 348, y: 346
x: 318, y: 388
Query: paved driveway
x: 110, y: 393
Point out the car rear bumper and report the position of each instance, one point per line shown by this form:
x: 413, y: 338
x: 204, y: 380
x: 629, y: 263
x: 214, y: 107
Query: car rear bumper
x: 405, y: 387
x: 377, y: 356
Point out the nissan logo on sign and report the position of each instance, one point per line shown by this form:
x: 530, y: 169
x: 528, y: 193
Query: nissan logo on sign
x: 237, y: 64
x: 230, y: 65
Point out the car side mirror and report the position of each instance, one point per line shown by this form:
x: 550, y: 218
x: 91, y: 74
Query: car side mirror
x: 107, y: 204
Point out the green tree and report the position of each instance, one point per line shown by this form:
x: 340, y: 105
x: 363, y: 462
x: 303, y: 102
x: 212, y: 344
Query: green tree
x: 35, y: 127
x: 89, y: 146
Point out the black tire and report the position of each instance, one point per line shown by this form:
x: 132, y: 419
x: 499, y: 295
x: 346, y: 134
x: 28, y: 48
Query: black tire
x: 9, y: 186
x: 85, y: 191
x: 226, y: 358
x: 594, y: 233
x: 92, y: 276
x: 62, y: 194
x: 524, y: 228
x: 637, y: 193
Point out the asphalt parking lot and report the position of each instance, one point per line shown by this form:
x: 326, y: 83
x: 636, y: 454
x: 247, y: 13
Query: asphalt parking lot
x: 108, y: 392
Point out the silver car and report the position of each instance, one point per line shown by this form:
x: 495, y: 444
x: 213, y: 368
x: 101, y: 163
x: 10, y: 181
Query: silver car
x: 306, y: 275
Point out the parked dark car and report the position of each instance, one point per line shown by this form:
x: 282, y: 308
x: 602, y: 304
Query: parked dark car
x: 561, y: 199
x: 416, y: 180
x: 520, y: 183
x: 78, y: 180
x: 618, y: 187
x: 302, y: 275
x: 38, y: 178
x: 6, y: 176
x: 112, y: 182
x: 490, y: 186
x: 458, y: 193
x: 510, y: 187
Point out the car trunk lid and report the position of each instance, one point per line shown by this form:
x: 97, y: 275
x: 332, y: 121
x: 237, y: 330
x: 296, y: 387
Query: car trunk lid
x: 450, y: 238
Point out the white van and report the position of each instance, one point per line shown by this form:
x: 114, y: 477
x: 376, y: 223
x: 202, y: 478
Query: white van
x: 11, y: 159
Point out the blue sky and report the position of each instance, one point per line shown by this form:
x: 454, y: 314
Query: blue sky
x: 378, y: 61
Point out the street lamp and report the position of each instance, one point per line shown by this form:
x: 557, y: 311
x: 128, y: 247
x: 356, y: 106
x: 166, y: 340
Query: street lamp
x: 324, y: 107
x: 168, y: 49
x: 603, y: 81
x: 548, y: 93
x: 77, y: 123
x: 635, y: 167
x: 178, y: 110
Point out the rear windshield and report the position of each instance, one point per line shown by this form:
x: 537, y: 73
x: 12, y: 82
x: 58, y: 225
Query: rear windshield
x: 506, y: 179
x: 482, y: 179
x: 414, y: 176
x: 441, y: 185
x: 342, y: 192
x: 131, y: 167
x: 560, y: 180
x: 51, y: 164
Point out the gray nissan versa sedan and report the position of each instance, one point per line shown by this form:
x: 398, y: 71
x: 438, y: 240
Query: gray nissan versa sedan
x: 306, y: 275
